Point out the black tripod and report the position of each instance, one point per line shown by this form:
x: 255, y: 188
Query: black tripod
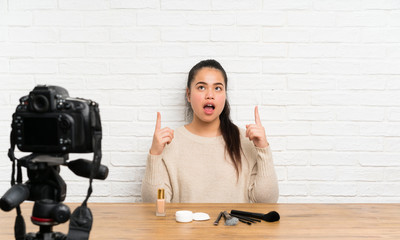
x: 46, y: 187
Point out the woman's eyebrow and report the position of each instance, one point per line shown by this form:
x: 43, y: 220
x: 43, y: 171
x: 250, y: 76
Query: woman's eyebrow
x: 206, y: 83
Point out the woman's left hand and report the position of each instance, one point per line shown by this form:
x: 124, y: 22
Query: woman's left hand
x: 256, y: 132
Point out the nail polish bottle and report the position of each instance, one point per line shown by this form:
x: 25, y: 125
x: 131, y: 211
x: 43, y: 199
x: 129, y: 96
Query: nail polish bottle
x: 160, y: 204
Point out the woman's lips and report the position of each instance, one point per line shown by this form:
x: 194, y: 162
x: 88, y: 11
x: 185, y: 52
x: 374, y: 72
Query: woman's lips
x: 209, y: 109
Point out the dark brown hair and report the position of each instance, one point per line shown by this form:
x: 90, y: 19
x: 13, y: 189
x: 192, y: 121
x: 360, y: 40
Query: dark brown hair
x: 229, y: 130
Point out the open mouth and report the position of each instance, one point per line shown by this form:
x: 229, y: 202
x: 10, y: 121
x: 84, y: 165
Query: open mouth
x: 209, y: 107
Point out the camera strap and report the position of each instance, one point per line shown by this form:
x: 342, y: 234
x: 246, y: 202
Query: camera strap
x: 82, y: 219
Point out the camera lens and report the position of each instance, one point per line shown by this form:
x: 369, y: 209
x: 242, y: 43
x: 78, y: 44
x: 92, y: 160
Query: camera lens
x: 40, y: 103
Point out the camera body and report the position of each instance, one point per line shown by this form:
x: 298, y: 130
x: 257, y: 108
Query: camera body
x: 49, y: 121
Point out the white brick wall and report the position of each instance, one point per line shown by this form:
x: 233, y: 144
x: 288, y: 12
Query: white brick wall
x: 325, y: 74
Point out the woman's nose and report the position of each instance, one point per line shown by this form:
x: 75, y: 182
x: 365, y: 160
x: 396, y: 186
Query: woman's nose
x: 210, y: 94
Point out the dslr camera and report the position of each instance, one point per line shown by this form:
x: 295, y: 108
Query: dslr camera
x: 50, y: 124
x: 48, y: 121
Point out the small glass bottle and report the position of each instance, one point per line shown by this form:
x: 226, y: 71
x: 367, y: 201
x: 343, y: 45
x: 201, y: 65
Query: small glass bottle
x: 160, y: 204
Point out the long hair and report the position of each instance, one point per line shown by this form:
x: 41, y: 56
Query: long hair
x: 229, y: 130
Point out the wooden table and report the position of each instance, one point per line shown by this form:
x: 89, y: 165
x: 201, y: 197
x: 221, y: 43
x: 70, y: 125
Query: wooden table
x: 298, y: 221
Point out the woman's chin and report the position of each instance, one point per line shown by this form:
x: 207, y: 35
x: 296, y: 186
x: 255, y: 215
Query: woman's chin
x: 208, y: 118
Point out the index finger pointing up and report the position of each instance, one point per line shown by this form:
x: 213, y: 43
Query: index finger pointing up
x: 257, y: 116
x: 158, y: 123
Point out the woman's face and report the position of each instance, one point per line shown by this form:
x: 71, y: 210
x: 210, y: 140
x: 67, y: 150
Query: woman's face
x: 207, y: 95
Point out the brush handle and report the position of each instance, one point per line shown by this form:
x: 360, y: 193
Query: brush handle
x: 226, y: 215
x: 243, y: 221
x: 248, y: 214
x: 253, y: 220
x: 218, y: 218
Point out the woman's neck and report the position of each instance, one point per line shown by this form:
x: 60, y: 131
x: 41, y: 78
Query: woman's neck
x: 204, y: 129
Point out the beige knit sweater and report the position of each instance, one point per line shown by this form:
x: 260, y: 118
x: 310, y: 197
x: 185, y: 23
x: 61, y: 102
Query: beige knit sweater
x: 197, y: 169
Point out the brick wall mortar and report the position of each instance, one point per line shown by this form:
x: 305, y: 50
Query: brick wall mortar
x: 324, y: 74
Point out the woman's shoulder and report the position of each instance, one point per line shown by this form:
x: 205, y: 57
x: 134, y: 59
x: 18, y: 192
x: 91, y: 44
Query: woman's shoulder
x: 181, y: 134
x: 180, y: 130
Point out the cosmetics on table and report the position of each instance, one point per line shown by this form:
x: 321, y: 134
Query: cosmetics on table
x: 160, y: 204
x: 185, y: 216
x: 269, y: 217
x: 218, y: 218
x: 229, y: 220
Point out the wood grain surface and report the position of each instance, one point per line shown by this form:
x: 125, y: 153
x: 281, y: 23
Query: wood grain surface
x: 298, y: 221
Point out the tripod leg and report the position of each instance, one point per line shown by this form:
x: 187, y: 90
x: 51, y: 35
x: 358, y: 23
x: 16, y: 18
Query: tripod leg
x: 19, y: 226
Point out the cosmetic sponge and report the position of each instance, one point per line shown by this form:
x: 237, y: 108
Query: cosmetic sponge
x: 188, y: 216
x: 200, y: 216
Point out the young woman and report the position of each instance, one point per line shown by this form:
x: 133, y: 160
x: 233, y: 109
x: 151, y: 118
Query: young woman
x: 210, y: 159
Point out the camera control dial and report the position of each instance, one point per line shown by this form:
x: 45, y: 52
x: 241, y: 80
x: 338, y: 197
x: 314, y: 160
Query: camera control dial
x: 64, y: 123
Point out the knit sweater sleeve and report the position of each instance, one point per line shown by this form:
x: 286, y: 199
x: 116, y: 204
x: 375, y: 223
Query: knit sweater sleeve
x: 155, y: 177
x: 263, y: 181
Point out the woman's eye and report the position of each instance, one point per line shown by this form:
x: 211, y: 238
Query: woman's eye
x: 201, y: 88
x: 218, y: 88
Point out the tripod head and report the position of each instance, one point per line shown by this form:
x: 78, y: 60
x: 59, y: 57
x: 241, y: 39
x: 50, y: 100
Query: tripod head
x: 44, y: 181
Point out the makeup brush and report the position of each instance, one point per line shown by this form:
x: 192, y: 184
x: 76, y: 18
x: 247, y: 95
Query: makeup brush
x: 253, y: 220
x: 244, y: 221
x: 229, y: 220
x: 218, y: 218
x: 269, y: 217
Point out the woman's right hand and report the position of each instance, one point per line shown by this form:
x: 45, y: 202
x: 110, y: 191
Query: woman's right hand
x: 161, y: 137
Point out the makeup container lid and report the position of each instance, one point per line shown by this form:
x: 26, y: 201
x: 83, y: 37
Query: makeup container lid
x: 160, y: 194
x: 200, y: 216
x: 184, y: 216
